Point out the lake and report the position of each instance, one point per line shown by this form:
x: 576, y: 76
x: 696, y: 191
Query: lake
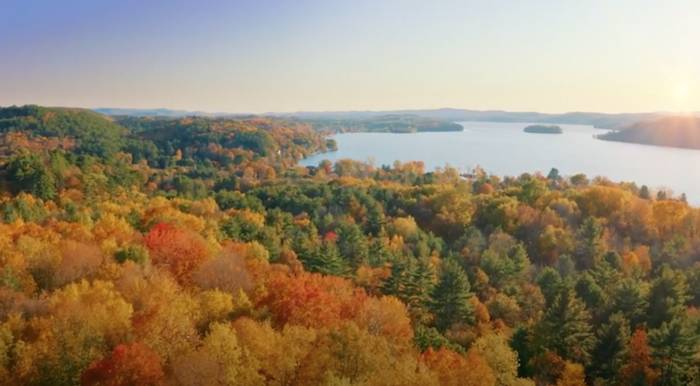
x: 504, y: 149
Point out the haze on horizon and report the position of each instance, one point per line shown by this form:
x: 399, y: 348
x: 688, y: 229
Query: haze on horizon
x: 260, y: 56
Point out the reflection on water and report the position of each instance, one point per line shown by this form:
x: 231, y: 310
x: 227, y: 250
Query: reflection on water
x: 504, y: 149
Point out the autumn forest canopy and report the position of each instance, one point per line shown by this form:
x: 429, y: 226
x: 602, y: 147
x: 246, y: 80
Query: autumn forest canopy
x: 197, y: 251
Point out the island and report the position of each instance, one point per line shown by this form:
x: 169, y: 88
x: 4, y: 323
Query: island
x: 671, y: 131
x: 543, y: 129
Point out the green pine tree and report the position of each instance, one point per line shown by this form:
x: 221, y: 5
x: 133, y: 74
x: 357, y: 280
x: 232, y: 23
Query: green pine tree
x: 629, y: 299
x: 327, y: 260
x: 667, y: 297
x: 395, y: 284
x: 674, y: 347
x: 450, y: 298
x: 417, y: 291
x: 610, y: 349
x: 353, y: 244
x: 590, y: 245
x: 521, y: 343
x: 590, y: 292
x: 566, y: 328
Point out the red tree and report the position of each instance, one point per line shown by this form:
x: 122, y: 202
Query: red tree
x: 127, y: 365
x: 180, y: 251
x: 638, y: 369
x: 312, y: 300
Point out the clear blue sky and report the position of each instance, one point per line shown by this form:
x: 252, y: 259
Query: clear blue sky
x: 256, y: 56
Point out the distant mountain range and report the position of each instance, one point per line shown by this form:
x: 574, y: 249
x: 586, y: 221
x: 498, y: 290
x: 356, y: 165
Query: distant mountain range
x: 601, y: 120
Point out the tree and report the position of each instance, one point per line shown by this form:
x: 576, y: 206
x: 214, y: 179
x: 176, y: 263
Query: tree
x: 429, y: 337
x: 453, y: 369
x: 352, y: 244
x: 553, y: 174
x: 573, y: 375
x: 351, y: 355
x: 220, y: 360
x: 227, y: 272
x: 610, y: 349
x: 179, y: 250
x: 629, y: 299
x: 644, y: 192
x: 84, y: 319
x: 311, y: 299
x: 326, y: 259
x: 501, y: 359
x: 667, y: 297
x: 450, y: 298
x: 548, y: 367
x: 504, y: 261
x: 280, y: 353
x: 31, y: 175
x: 399, y: 277
x: 638, y: 370
x: 590, y: 292
x: 674, y: 347
x: 590, y: 244
x: 417, y: 291
x: 554, y: 243
x: 521, y: 343
x: 135, y: 253
x: 550, y: 283
x: 568, y: 316
x: 133, y: 364
x: 387, y: 317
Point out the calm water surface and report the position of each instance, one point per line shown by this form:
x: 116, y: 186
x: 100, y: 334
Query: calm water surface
x: 504, y: 149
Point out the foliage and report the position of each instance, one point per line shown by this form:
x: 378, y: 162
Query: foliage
x: 196, y: 251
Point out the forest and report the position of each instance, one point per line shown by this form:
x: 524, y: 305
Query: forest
x: 402, y: 123
x: 196, y: 251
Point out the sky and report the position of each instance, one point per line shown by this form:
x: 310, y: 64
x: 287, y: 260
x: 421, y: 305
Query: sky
x: 293, y: 55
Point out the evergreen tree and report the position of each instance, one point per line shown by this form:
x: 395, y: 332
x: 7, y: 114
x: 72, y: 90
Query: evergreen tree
x: 521, y: 343
x: 375, y: 219
x: 504, y: 266
x: 629, y: 299
x: 590, y: 292
x: 553, y: 174
x: 379, y: 254
x: 353, y: 244
x: 565, y: 328
x: 644, y: 192
x: 450, y: 298
x: 667, y: 297
x: 607, y: 272
x: 398, y: 278
x: 428, y: 337
x: 417, y: 291
x: 674, y: 346
x: 610, y: 349
x: 327, y: 260
x: 590, y: 245
x: 550, y: 283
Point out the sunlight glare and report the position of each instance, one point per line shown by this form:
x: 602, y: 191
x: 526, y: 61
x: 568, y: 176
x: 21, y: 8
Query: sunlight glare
x: 681, y: 97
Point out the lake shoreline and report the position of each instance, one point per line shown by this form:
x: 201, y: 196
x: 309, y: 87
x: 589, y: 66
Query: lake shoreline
x: 503, y: 149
